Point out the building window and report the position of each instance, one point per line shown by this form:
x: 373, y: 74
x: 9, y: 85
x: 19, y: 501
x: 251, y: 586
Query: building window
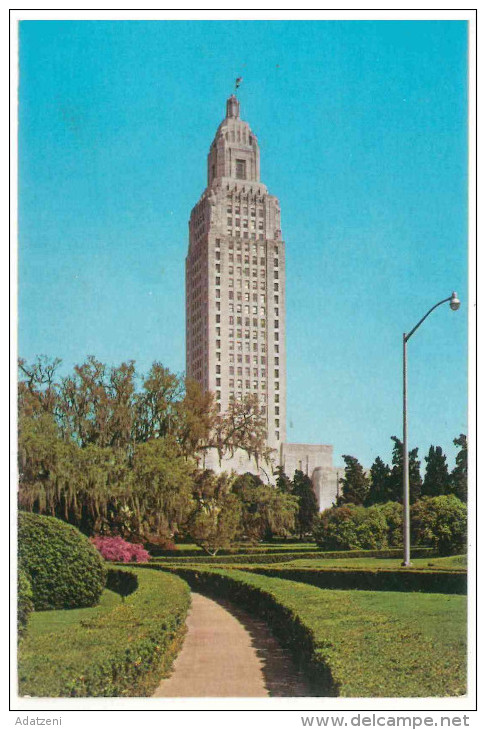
x: 241, y: 169
x: 218, y: 381
x: 277, y: 435
x: 277, y: 398
x: 277, y: 422
x: 275, y: 324
x: 218, y: 317
x: 277, y: 410
x: 277, y: 386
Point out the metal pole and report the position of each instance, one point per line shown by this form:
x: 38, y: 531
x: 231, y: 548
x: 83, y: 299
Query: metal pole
x: 406, y: 486
x: 454, y: 303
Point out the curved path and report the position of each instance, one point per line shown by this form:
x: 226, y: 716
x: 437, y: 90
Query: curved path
x: 227, y: 653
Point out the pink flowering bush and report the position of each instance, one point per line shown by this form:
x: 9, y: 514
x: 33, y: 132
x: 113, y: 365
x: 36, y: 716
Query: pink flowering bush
x: 118, y: 550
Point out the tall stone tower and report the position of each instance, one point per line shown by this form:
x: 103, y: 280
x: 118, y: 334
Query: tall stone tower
x: 235, y: 303
x: 235, y: 280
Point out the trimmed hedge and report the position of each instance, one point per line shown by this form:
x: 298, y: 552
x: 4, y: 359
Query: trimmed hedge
x: 25, y: 604
x: 267, y: 559
x: 369, y: 579
x: 355, y: 643
x: 64, y: 568
x: 120, y: 653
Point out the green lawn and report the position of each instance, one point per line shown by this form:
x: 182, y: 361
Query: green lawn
x: 52, y: 622
x: 376, y: 644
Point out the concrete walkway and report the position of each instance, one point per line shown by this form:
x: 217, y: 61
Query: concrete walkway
x: 227, y: 653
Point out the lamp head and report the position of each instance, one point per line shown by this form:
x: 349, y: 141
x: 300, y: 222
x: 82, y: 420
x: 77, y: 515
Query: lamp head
x: 454, y: 303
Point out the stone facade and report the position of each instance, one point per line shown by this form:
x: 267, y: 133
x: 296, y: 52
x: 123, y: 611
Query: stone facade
x: 235, y: 296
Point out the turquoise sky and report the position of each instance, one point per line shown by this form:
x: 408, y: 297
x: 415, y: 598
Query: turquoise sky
x: 363, y: 135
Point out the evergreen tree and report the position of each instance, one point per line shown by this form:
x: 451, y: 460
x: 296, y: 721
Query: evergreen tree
x: 283, y: 482
x: 437, y: 480
x: 379, y: 483
x: 356, y: 484
x: 308, y: 509
x: 459, y: 473
x: 395, y: 485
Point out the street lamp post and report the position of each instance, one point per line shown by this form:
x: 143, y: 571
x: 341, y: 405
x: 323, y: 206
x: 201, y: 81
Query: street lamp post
x: 454, y: 304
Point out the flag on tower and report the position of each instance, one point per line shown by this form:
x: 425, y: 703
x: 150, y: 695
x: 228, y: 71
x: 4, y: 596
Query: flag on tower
x: 238, y: 81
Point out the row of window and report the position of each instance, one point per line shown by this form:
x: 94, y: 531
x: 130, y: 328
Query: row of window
x: 239, y: 358
x: 239, y: 245
x: 243, y: 210
x: 244, y: 223
x: 239, y: 287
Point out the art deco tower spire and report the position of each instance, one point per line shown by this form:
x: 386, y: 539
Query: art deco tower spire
x: 235, y: 280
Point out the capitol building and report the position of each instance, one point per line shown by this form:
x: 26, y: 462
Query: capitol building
x: 235, y: 304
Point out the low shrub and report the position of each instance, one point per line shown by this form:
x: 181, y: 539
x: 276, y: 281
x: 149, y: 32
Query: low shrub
x: 440, y: 522
x: 122, y: 582
x: 65, y: 570
x: 25, y: 604
x: 118, y: 550
x: 123, y: 652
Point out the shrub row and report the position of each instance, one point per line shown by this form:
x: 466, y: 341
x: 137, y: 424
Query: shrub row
x: 64, y: 568
x: 123, y: 652
x: 266, y: 559
x: 368, y: 579
x: 439, y: 522
x: 158, y: 552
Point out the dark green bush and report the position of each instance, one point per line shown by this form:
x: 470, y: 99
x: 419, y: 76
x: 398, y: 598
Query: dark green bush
x: 440, y: 522
x: 65, y: 570
x: 351, y: 527
x: 121, y: 653
x: 122, y: 582
x: 25, y: 605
